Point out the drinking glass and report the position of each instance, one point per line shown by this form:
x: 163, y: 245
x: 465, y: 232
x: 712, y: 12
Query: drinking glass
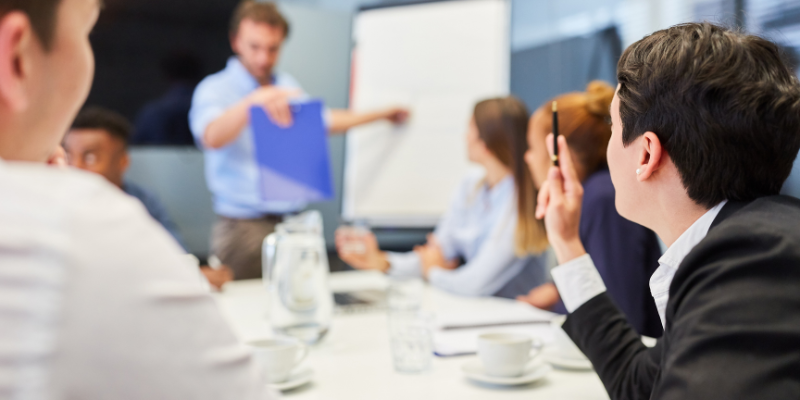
x: 405, y: 294
x: 354, y: 234
x: 410, y: 336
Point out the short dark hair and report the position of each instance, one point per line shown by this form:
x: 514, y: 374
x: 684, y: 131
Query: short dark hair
x: 42, y: 13
x: 264, y: 12
x: 101, y: 118
x: 725, y: 105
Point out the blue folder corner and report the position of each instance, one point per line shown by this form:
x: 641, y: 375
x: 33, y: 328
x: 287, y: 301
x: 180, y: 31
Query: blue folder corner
x: 294, y: 163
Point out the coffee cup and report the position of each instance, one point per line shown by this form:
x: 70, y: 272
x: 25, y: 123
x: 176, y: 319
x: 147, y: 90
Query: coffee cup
x: 278, y: 357
x: 561, y: 341
x: 506, y: 354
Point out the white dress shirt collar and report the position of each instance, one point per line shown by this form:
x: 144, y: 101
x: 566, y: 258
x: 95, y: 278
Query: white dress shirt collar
x: 668, y: 263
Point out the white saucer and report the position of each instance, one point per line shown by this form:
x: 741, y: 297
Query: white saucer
x: 297, y: 379
x: 535, y: 371
x: 554, y: 357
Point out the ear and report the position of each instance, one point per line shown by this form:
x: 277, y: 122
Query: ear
x: 234, y: 42
x: 650, y: 156
x: 16, y: 43
x: 124, y: 162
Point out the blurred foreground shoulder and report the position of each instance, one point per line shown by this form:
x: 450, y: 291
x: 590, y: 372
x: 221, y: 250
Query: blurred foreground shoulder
x: 116, y: 291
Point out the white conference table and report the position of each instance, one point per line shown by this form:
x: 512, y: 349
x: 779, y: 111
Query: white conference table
x: 354, y: 360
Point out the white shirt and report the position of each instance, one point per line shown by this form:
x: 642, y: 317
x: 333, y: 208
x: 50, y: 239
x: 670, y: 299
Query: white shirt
x: 479, y: 226
x: 97, y: 300
x: 578, y: 280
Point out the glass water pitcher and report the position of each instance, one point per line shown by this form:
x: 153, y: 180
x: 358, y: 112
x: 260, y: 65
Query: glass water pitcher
x: 295, y: 266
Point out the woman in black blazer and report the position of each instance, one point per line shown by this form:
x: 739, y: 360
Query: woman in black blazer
x: 706, y: 126
x: 625, y: 254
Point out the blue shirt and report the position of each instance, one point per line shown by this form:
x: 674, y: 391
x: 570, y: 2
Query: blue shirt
x: 479, y: 226
x: 232, y: 171
x: 154, y: 208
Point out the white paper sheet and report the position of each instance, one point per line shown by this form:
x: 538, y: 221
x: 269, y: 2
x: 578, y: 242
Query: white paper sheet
x: 457, y: 333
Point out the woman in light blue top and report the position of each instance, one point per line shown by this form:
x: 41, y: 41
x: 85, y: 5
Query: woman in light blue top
x: 490, y: 223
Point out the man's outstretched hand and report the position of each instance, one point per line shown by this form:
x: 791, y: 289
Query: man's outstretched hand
x: 397, y: 115
x: 559, y: 203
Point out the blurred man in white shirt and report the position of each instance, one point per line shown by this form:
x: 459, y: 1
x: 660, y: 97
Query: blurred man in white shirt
x: 96, y: 300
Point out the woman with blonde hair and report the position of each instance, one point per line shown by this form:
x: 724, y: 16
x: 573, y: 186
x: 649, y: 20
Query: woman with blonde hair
x: 618, y: 246
x: 490, y: 223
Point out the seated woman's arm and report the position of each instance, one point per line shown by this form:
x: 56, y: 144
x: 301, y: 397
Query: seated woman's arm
x: 370, y: 257
x: 544, y: 296
x: 492, y: 266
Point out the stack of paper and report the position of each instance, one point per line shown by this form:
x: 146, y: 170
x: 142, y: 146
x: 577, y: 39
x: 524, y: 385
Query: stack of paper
x: 457, y: 333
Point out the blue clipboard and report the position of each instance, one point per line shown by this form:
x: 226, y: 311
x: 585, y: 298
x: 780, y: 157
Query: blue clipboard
x: 294, y: 163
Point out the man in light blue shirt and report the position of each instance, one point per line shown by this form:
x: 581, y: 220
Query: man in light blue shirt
x: 219, y: 120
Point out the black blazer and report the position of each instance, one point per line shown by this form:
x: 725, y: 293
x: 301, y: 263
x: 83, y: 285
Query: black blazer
x: 732, y: 320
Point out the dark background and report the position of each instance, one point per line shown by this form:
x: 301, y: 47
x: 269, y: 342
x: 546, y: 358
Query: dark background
x: 132, y: 37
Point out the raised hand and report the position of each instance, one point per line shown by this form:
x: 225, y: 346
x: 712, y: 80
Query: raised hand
x: 559, y: 203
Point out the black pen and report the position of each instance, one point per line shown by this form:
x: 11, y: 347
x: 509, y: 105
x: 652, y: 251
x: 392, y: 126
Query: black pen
x: 555, y: 133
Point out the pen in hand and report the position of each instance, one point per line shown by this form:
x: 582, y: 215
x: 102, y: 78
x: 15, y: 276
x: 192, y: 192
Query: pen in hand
x: 555, y: 133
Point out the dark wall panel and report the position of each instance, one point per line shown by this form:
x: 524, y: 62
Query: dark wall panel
x: 543, y: 72
x: 132, y: 37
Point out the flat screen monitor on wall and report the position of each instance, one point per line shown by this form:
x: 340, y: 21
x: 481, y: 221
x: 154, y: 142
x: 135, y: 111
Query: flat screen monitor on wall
x: 439, y: 59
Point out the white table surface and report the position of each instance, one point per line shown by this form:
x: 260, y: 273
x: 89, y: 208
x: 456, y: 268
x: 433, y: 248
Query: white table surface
x: 354, y: 362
